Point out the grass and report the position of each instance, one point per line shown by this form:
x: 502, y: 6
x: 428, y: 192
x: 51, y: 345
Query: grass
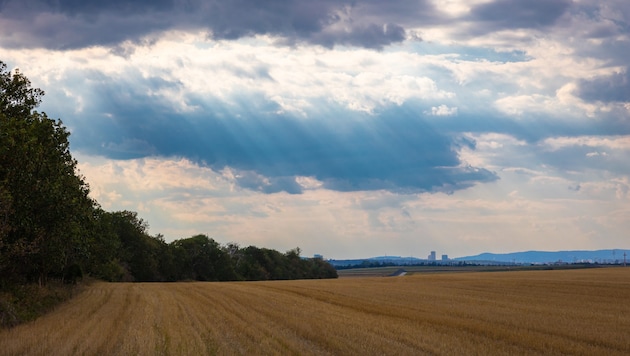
x: 580, y: 312
x: 22, y: 303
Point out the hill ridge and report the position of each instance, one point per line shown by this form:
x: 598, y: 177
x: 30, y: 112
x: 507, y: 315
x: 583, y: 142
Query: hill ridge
x: 608, y: 256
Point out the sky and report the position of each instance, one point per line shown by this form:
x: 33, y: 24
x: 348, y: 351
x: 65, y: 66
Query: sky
x: 350, y: 129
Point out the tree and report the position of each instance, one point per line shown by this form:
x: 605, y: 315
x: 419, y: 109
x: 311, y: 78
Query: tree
x: 138, y: 253
x: 5, y: 226
x: 17, y: 98
x: 104, y: 261
x: 203, y: 259
x: 50, y: 210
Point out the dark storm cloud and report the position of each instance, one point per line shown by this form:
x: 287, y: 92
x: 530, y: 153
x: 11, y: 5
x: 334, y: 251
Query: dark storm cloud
x: 613, y: 88
x: 511, y: 14
x: 396, y: 151
x: 85, y: 7
x: 74, y: 24
x: 370, y: 36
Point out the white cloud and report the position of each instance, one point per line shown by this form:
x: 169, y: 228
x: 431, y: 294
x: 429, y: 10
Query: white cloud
x: 489, y: 146
x: 607, y: 142
x: 443, y: 110
x: 596, y: 154
x: 295, y: 80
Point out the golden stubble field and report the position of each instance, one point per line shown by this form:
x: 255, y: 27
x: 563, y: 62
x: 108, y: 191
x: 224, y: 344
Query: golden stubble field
x: 581, y: 312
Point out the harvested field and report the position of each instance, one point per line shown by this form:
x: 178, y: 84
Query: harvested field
x: 581, y: 312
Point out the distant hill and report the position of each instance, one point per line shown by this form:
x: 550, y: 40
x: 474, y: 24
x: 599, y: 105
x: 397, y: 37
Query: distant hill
x: 527, y: 257
x: 598, y: 256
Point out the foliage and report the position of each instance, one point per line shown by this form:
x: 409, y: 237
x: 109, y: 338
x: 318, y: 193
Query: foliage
x: 17, y: 98
x: 203, y: 259
x: 25, y: 302
x: 44, y: 199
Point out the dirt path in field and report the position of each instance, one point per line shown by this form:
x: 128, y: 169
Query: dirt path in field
x: 546, y: 312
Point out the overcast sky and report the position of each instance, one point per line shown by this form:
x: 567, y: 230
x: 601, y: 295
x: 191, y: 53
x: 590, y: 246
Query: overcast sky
x: 348, y: 128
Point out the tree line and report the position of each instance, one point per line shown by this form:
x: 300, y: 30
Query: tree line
x: 51, y: 228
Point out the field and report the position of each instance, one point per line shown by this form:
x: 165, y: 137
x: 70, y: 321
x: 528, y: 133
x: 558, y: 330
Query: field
x: 582, y: 312
x: 386, y: 271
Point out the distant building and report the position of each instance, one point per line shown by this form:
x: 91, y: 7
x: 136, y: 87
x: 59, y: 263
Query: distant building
x: 317, y: 255
x: 432, y: 256
x: 444, y: 257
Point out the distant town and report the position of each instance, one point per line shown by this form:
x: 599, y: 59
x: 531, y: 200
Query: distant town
x: 610, y: 256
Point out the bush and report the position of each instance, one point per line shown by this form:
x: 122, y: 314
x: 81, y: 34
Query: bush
x: 22, y: 303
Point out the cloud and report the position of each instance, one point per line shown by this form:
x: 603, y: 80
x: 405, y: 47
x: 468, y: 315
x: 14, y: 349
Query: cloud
x: 71, y: 24
x: 610, y: 142
x: 276, y: 115
x: 474, y: 125
x: 180, y: 198
x: 611, y: 88
x: 515, y: 14
x: 593, y: 166
x: 135, y: 114
x: 314, y: 116
x: 257, y: 182
x: 372, y: 24
x: 600, y: 156
x: 443, y: 110
x: 268, y: 151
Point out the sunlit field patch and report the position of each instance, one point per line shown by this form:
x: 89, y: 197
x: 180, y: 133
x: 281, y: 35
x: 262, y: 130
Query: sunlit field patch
x: 519, y: 313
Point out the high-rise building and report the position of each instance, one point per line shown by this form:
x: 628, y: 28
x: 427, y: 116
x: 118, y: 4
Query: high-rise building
x: 432, y: 256
x: 444, y: 257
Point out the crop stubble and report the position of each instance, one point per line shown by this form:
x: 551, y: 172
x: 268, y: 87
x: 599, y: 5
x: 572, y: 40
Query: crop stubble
x: 537, y: 312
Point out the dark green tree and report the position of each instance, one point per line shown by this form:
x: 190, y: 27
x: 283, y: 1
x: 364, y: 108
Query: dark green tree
x: 105, y: 247
x: 203, y: 259
x: 321, y: 269
x: 138, y: 253
x: 254, y: 264
x: 5, y: 226
x: 297, y: 267
x: 49, y: 205
x: 17, y: 97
